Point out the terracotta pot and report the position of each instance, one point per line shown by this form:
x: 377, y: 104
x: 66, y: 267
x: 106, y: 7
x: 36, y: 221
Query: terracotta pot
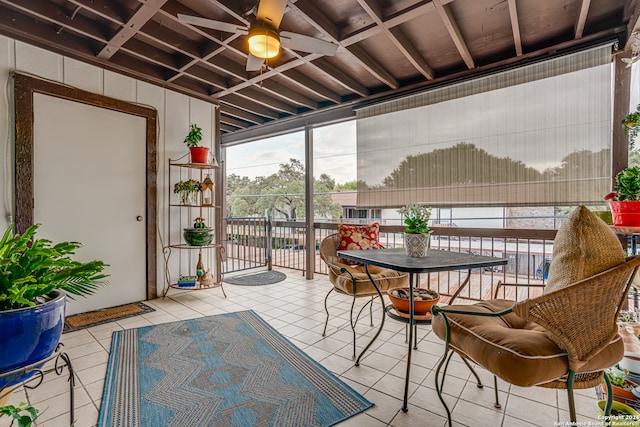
x: 621, y: 394
x: 420, y: 307
x: 199, y: 154
x: 626, y: 213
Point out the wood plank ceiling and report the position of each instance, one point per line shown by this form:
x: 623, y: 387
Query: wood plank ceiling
x: 385, y: 47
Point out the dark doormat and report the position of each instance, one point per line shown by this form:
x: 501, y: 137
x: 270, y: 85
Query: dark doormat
x: 257, y: 279
x: 98, y: 317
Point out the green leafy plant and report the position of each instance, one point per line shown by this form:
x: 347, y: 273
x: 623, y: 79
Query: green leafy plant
x: 618, y: 378
x: 24, y: 414
x: 199, y: 223
x: 194, y: 136
x: 188, y: 186
x: 631, y: 124
x: 416, y: 218
x: 31, y: 268
x: 627, y: 185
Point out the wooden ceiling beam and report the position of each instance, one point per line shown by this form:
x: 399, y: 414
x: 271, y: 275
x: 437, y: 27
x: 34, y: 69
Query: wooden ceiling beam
x: 515, y: 26
x: 399, y: 39
x: 144, y: 13
x: 454, y: 32
x: 262, y: 98
x: 319, y: 20
x: 56, y: 15
x: 230, y: 120
x: 227, y: 128
x: 582, y: 18
x: 340, y: 77
x: 373, y: 67
x: 287, y: 94
x: 102, y: 8
x: 250, y: 106
x: 230, y: 110
x: 311, y: 85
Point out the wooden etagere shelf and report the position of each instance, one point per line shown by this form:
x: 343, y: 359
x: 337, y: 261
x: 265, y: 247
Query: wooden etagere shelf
x: 180, y: 261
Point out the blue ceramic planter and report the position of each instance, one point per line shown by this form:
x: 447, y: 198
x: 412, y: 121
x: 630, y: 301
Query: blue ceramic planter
x: 29, y: 335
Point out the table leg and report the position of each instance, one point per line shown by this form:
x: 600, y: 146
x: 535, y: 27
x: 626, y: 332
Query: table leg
x: 405, y: 408
x: 375, y: 285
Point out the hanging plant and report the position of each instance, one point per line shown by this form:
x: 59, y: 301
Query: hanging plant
x: 631, y: 123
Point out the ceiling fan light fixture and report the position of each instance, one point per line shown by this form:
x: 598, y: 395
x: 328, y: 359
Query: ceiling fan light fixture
x: 264, y: 41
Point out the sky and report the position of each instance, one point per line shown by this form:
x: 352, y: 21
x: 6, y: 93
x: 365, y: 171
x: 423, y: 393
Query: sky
x: 334, y: 153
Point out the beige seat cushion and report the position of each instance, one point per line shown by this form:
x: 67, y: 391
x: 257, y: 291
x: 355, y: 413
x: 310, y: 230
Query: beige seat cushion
x: 584, y: 246
x: 384, y: 277
x: 518, y: 351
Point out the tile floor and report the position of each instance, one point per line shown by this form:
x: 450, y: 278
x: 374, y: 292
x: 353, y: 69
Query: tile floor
x: 295, y: 307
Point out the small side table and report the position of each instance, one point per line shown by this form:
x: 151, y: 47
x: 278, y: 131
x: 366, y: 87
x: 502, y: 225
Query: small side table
x: 61, y: 359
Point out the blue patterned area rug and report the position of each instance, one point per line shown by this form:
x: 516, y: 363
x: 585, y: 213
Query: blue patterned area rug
x: 225, y: 370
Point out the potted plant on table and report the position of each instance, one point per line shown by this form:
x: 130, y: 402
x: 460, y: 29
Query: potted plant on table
x: 416, y: 234
x: 623, y: 201
x: 35, y: 278
x: 193, y: 138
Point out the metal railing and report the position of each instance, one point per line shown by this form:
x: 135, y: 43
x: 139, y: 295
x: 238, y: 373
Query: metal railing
x: 254, y: 242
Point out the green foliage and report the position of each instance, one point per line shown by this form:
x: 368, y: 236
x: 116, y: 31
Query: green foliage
x: 631, y: 124
x: 194, y: 136
x: 17, y: 414
x: 628, y: 184
x: 416, y: 218
x: 280, y: 194
x: 618, y: 377
x: 347, y: 186
x: 189, y: 186
x: 31, y: 268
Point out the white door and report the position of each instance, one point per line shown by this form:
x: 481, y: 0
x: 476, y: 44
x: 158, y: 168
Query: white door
x: 89, y: 186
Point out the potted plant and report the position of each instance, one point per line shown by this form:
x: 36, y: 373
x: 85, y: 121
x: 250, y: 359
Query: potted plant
x: 188, y: 191
x: 193, y: 138
x: 199, y: 235
x: 631, y: 124
x: 423, y: 299
x: 416, y: 237
x: 622, y: 386
x: 623, y: 201
x: 23, y: 414
x: 621, y: 414
x: 35, y: 278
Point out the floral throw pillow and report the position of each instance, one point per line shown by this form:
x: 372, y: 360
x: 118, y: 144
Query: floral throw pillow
x: 358, y: 237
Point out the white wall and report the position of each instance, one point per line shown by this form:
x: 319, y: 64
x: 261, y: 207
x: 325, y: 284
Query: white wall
x: 175, y: 113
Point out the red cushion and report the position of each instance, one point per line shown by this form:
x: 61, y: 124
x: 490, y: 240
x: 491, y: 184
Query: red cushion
x: 358, y: 237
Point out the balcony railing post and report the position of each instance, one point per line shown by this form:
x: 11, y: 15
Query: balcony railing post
x: 269, y: 248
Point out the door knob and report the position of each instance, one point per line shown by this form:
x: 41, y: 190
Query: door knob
x: 139, y: 218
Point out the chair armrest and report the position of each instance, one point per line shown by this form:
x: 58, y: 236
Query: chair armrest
x: 436, y: 309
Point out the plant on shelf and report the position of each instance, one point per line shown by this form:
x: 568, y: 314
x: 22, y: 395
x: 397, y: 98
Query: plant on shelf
x: 23, y: 414
x: 194, y: 136
x: 198, y: 154
x: 187, y: 189
x: 36, y: 276
x: 631, y: 124
x: 623, y: 200
x: 416, y: 237
x: 199, y: 223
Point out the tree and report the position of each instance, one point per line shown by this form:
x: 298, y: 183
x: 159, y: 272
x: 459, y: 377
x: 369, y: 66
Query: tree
x: 281, y: 194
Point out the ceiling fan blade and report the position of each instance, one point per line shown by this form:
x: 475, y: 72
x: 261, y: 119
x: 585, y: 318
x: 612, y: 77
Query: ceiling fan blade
x: 210, y: 23
x: 254, y: 63
x: 307, y: 44
x: 271, y: 11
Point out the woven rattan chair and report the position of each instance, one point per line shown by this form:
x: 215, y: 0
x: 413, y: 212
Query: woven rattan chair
x: 517, y: 341
x: 354, y: 281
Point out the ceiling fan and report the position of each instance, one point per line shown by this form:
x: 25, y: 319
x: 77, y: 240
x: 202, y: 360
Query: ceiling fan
x: 265, y: 38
